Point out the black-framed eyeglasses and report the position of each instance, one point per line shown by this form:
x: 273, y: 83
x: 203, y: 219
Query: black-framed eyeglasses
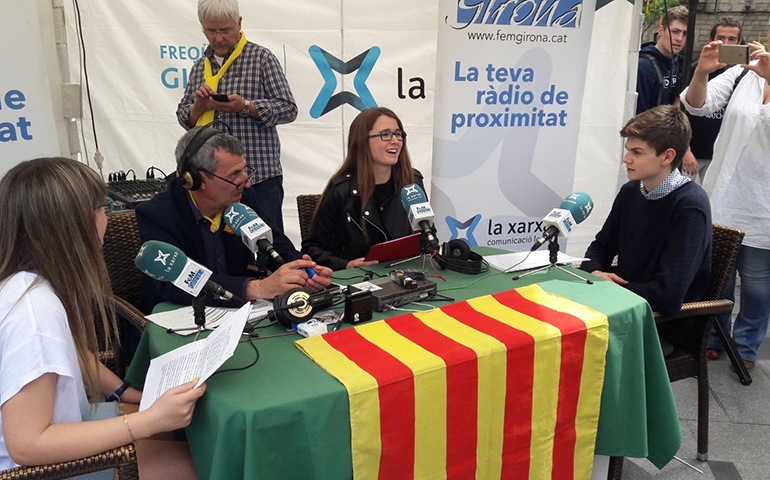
x: 238, y: 186
x: 109, y: 205
x: 212, y: 32
x: 387, y: 135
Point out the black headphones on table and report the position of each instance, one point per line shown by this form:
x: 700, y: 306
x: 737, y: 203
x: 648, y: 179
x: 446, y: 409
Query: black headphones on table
x: 189, y: 173
x: 458, y: 257
x: 298, y: 305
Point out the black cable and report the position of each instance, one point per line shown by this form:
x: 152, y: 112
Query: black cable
x: 153, y: 168
x: 85, y: 70
x: 256, y: 359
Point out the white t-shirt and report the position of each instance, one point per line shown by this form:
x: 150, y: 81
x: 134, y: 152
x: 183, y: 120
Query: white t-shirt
x: 35, y: 339
x: 737, y: 180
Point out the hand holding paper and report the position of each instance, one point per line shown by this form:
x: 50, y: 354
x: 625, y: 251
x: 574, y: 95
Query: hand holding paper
x: 194, y: 360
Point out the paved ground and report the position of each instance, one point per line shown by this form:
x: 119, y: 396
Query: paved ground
x: 739, y: 427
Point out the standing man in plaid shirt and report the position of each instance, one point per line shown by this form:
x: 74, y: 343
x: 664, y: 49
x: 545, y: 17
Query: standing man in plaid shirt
x: 257, y: 94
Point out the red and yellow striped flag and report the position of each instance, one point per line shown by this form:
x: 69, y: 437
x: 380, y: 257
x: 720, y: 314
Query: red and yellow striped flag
x: 501, y: 386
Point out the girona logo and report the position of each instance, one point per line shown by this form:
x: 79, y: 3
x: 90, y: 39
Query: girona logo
x: 529, y: 13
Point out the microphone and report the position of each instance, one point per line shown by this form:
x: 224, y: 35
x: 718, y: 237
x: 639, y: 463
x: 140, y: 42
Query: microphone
x: 254, y: 232
x: 560, y: 221
x: 420, y: 213
x: 167, y: 263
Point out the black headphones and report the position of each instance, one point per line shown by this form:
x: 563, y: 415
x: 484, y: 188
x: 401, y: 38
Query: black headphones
x: 458, y: 257
x: 297, y: 305
x: 189, y: 173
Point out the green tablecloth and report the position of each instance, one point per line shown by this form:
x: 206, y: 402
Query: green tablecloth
x: 287, y: 418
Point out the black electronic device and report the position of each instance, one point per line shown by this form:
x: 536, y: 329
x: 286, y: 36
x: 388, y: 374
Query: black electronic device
x: 358, y: 305
x: 131, y: 193
x: 387, y: 293
x: 220, y: 97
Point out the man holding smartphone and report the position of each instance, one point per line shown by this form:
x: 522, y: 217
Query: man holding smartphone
x: 728, y: 30
x: 241, y: 84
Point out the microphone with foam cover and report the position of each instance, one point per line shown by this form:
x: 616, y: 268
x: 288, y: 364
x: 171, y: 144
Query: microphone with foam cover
x: 560, y: 221
x: 254, y: 232
x: 419, y: 212
x: 167, y: 263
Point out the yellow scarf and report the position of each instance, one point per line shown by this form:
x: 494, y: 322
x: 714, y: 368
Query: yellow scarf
x: 215, y: 221
x: 213, y: 80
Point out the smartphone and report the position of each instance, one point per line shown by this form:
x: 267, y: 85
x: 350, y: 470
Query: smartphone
x: 734, y: 54
x: 220, y: 97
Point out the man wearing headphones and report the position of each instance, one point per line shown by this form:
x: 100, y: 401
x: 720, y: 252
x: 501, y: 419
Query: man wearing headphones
x: 212, y: 174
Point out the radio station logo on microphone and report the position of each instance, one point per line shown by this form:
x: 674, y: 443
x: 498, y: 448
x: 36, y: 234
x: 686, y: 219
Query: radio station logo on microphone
x: 254, y: 227
x: 167, y: 260
x: 193, y: 278
x: 231, y: 215
x: 411, y: 193
x: 423, y: 209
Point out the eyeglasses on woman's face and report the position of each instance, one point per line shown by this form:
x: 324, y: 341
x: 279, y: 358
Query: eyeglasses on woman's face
x: 387, y: 135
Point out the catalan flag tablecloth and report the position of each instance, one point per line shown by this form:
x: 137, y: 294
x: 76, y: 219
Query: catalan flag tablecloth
x: 501, y: 386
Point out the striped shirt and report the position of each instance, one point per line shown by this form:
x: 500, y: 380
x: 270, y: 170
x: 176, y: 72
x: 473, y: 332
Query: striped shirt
x: 256, y: 76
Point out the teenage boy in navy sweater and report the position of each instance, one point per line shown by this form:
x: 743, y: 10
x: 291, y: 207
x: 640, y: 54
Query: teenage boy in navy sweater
x: 660, y: 223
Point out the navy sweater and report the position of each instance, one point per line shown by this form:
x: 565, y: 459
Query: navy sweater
x: 169, y: 218
x: 663, y: 246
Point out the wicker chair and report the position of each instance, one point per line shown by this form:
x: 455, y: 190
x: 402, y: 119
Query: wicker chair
x: 121, y: 242
x: 692, y: 362
x: 306, y: 205
x: 122, y: 458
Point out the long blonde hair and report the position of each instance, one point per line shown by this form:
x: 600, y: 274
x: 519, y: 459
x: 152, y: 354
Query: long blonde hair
x: 49, y: 207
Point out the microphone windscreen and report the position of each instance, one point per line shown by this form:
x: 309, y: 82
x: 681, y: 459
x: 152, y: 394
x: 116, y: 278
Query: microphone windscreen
x: 412, y: 194
x: 160, y: 260
x: 238, y: 214
x: 579, y: 205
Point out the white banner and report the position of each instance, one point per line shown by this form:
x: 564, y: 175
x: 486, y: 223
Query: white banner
x: 27, y: 128
x: 510, y: 87
x: 139, y: 55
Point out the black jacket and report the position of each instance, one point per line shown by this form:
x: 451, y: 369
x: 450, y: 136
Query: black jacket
x: 336, y: 236
x: 169, y: 218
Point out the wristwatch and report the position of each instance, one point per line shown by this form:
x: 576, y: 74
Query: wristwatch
x: 245, y: 112
x: 115, y: 396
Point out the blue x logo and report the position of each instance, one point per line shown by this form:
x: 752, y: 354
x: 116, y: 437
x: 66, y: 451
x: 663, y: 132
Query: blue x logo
x: 326, y: 62
x: 455, y: 225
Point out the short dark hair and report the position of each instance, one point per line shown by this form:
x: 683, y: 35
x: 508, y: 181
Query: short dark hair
x: 662, y: 127
x: 676, y: 13
x: 728, y: 21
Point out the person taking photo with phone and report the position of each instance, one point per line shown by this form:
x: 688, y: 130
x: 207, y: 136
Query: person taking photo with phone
x: 738, y: 180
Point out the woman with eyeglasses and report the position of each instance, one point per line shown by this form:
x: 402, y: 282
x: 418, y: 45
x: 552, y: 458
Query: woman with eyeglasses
x: 54, y: 289
x: 361, y: 205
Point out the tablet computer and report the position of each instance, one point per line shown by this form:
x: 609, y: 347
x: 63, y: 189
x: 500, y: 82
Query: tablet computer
x: 403, y: 247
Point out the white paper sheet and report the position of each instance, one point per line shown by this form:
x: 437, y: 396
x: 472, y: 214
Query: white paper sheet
x: 514, y: 262
x: 182, y: 320
x: 196, y: 359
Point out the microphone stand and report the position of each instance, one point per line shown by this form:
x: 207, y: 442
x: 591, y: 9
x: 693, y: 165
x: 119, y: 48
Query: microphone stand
x: 261, y: 262
x: 199, y: 316
x: 199, y: 312
x: 553, y: 250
